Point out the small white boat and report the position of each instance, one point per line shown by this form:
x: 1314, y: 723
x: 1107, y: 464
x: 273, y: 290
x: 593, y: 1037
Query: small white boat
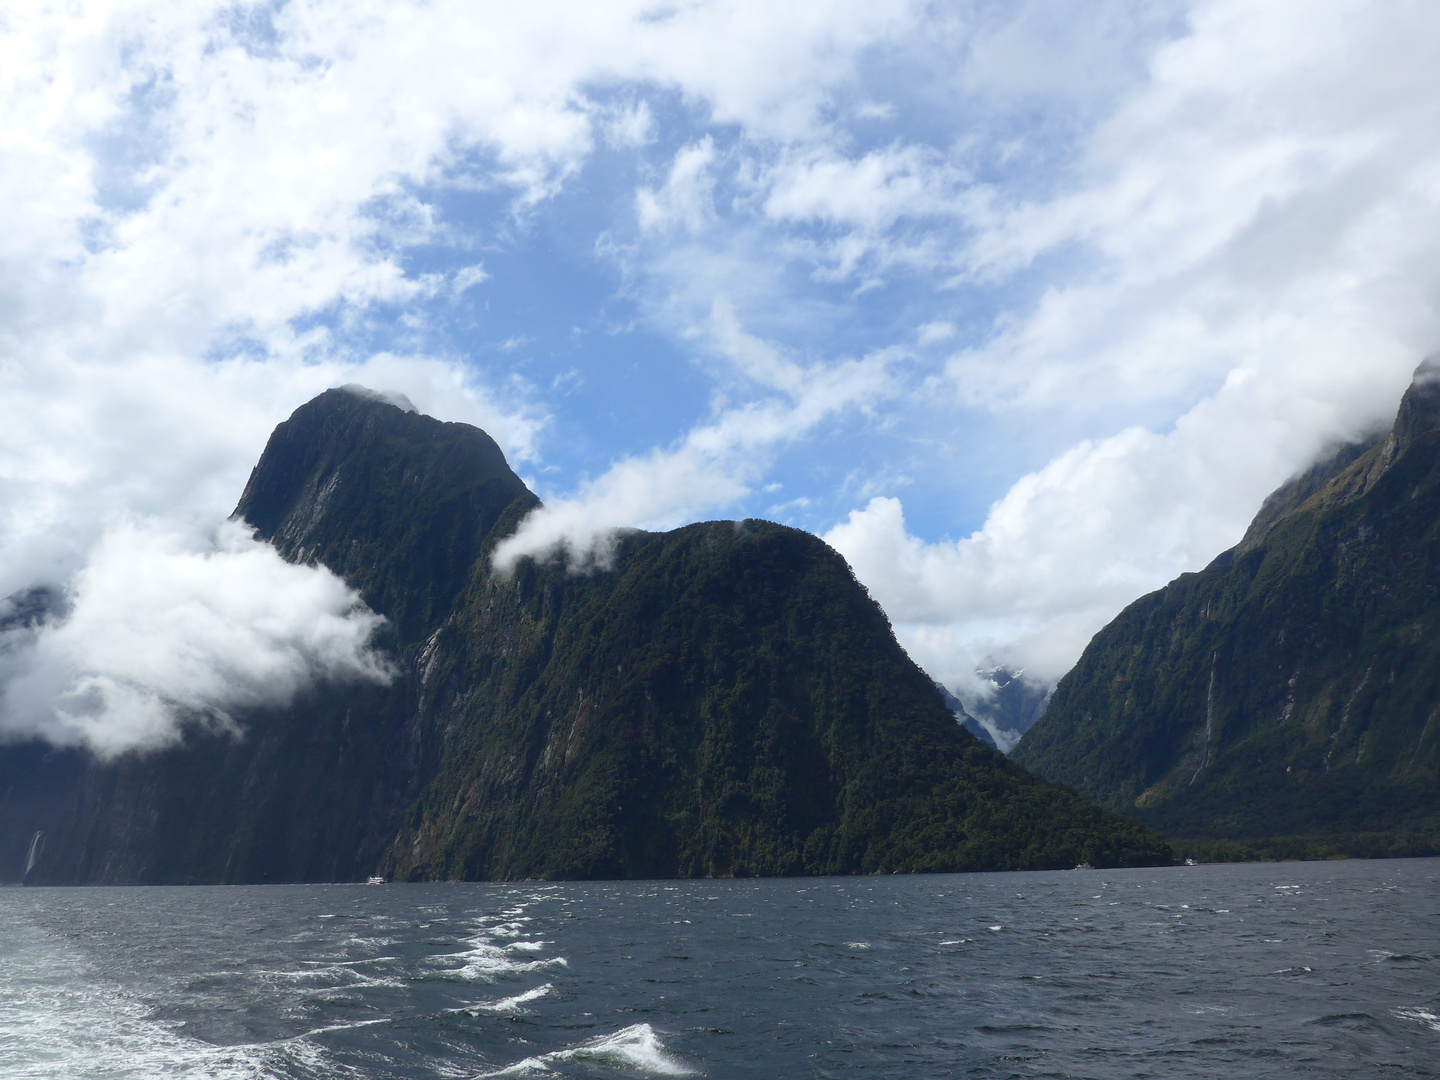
x: 1084, y: 866
x: 375, y: 880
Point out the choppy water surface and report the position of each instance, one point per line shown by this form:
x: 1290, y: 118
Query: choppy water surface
x: 1320, y: 969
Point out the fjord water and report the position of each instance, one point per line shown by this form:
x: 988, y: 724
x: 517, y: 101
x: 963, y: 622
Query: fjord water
x: 1315, y: 969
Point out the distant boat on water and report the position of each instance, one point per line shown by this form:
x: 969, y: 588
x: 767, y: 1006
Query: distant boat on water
x: 375, y: 879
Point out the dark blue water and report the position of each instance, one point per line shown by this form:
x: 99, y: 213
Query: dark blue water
x: 1314, y: 969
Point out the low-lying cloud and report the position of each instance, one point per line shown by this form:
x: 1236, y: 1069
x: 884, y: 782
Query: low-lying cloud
x: 162, y: 632
x: 714, y: 465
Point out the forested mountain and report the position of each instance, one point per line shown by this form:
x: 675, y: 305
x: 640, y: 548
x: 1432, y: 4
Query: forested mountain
x: 727, y: 700
x: 1286, y: 698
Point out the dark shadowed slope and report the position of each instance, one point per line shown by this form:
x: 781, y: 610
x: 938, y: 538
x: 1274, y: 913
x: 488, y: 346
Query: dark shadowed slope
x: 1292, y: 688
x: 726, y: 700
x: 402, y: 506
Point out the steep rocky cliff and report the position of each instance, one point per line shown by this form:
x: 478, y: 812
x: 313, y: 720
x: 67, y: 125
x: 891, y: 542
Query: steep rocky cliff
x: 726, y: 700
x: 1288, y: 696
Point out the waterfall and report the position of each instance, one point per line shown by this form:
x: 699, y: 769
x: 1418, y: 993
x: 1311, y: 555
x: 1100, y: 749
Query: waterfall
x: 37, y: 842
x: 1209, y: 719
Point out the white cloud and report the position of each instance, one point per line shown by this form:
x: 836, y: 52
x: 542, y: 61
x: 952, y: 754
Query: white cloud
x: 190, y: 175
x: 870, y: 192
x: 771, y: 68
x: 630, y: 126
x: 165, y: 631
x: 687, y: 198
x: 713, y: 465
x: 933, y: 332
x: 468, y: 277
x: 1062, y: 54
x: 1260, y: 231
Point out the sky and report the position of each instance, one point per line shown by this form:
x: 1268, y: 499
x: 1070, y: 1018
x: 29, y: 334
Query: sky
x: 1023, y: 307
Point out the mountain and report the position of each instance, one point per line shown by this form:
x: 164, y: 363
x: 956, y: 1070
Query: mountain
x: 400, y: 505
x: 964, y: 719
x: 727, y: 700
x: 1003, y: 714
x: 1286, y: 699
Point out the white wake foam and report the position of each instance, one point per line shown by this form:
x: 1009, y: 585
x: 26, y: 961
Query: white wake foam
x: 59, y: 1017
x: 509, y: 1004
x: 484, y: 961
x: 1420, y: 1016
x: 634, y: 1047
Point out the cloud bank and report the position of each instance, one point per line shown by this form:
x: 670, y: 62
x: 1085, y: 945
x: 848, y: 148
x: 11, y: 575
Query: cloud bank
x: 160, y: 633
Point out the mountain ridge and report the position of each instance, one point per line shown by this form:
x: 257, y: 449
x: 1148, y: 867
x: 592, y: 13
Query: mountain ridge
x: 727, y: 701
x: 1286, y: 697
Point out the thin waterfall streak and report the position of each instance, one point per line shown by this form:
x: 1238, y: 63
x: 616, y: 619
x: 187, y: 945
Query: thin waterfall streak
x: 1209, y: 720
x: 30, y: 859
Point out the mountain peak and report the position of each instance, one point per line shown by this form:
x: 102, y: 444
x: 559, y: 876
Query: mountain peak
x: 386, y: 397
x: 1420, y: 407
x: 1299, y: 489
x: 1346, y: 472
x: 398, y: 503
x: 1285, y: 694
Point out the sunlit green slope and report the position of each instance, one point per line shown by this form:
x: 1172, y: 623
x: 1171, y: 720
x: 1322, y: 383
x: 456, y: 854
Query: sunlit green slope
x: 1288, y: 695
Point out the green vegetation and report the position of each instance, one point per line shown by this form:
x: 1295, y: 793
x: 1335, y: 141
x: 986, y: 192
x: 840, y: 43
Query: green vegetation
x: 727, y: 700
x: 1374, y: 845
x: 1286, y: 699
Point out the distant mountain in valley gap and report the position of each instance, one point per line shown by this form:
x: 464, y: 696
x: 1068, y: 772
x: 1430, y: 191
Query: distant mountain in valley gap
x: 1000, y: 717
x: 1286, y: 699
x: 963, y: 718
x: 727, y: 700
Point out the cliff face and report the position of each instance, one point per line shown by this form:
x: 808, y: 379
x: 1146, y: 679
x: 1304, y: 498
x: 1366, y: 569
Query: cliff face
x: 1292, y: 688
x: 727, y: 700
x: 310, y: 793
x: 402, y: 506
